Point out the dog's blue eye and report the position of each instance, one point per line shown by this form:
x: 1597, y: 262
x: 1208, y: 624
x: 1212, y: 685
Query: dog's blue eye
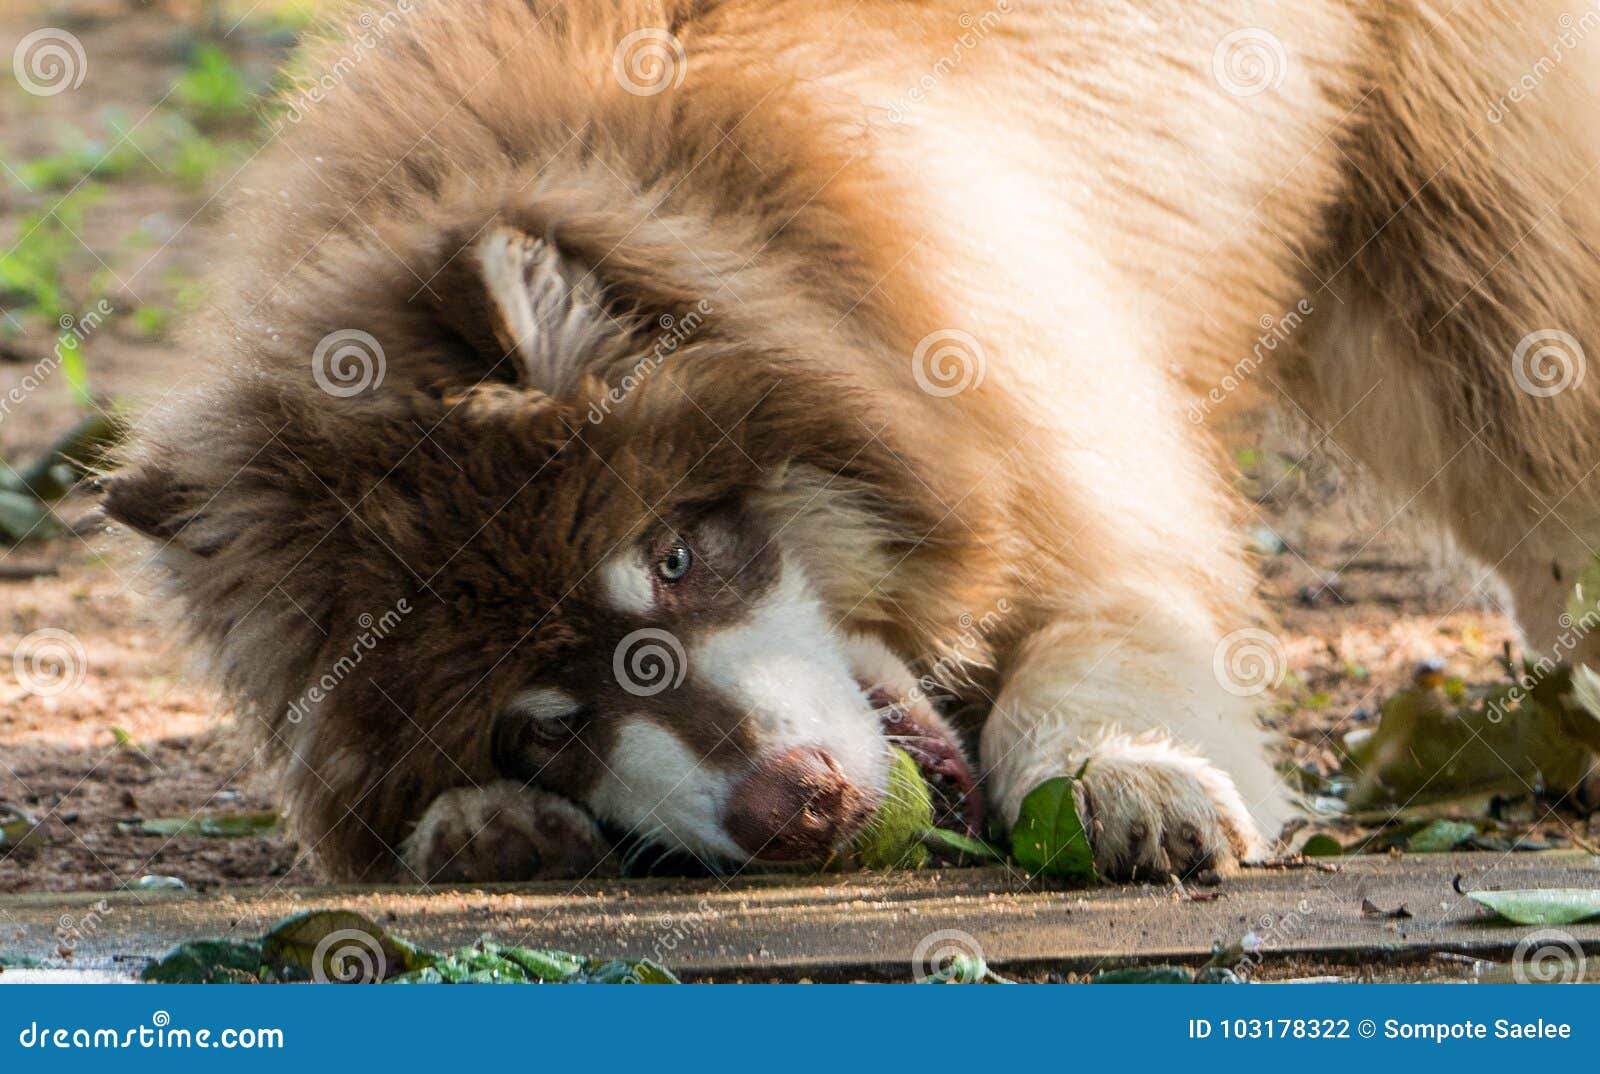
x: 675, y: 564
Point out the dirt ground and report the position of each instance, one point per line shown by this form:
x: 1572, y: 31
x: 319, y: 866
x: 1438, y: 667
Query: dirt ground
x: 1360, y: 598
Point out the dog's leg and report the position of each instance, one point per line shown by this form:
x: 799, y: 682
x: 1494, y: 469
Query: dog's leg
x: 1458, y: 361
x: 1175, y: 776
x: 504, y: 831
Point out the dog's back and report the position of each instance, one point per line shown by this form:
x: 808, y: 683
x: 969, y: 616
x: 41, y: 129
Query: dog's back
x: 1009, y: 249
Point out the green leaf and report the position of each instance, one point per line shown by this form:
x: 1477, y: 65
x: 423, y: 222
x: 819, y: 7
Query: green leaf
x: 1145, y: 975
x: 19, y: 962
x: 484, y: 963
x: 1441, y: 836
x: 24, y: 517
x: 1322, y: 846
x: 1440, y: 740
x: 546, y: 964
x: 214, y: 88
x: 1583, y: 599
x: 647, y: 972
x: 1541, y: 906
x: 214, y: 825
x: 1048, y: 838
x: 619, y: 971
x: 964, y: 969
x: 338, y: 946
x: 208, y: 962
x: 893, y: 839
x: 487, y: 962
x: 344, y: 946
x: 954, y: 846
x: 18, y: 829
x: 1217, y: 975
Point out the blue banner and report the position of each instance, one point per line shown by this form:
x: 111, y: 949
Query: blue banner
x: 811, y: 1028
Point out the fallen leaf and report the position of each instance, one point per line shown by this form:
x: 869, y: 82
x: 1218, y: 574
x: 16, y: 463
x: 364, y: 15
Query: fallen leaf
x: 1441, y: 836
x: 1541, y: 906
x: 1440, y: 738
x: 1322, y: 846
x: 335, y: 945
x: 1145, y: 975
x: 958, y: 847
x: 19, y: 830
x: 964, y: 969
x: 212, y: 826
x: 24, y: 517
x: 208, y: 962
x: 1048, y: 839
x: 1372, y: 909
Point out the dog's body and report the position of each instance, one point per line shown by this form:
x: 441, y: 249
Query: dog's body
x: 955, y: 292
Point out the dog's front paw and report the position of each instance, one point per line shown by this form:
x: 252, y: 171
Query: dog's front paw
x: 1154, y: 809
x: 504, y: 832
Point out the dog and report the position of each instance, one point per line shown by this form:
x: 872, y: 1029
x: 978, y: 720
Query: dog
x: 629, y: 420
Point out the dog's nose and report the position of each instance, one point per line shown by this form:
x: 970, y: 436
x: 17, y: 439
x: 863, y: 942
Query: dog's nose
x: 795, y: 807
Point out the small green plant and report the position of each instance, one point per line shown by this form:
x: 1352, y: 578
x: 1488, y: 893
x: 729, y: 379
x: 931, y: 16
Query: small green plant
x: 196, y: 157
x: 33, y: 271
x: 151, y: 321
x: 214, y: 89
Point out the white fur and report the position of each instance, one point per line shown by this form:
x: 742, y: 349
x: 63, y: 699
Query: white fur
x: 545, y: 703
x: 501, y: 255
x: 1137, y: 704
x: 787, y: 669
x: 876, y: 664
x: 626, y: 584
x: 546, y: 312
x: 654, y: 786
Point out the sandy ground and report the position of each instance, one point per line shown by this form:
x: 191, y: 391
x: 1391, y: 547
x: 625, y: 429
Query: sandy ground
x: 1360, y: 599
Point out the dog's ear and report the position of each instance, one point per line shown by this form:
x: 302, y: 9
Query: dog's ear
x: 148, y: 497
x: 513, y: 297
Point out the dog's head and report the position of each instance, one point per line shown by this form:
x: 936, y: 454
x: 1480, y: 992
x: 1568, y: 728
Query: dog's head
x: 519, y: 530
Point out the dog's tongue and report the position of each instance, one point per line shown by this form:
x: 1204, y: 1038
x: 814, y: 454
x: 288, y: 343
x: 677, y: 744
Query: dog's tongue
x: 957, y: 803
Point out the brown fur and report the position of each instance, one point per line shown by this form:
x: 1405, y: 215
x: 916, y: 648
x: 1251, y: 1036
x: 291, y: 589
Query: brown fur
x: 1170, y: 218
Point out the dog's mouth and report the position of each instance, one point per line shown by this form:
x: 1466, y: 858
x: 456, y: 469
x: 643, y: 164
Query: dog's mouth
x: 912, y: 725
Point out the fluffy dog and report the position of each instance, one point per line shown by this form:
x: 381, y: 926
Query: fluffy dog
x: 630, y: 418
